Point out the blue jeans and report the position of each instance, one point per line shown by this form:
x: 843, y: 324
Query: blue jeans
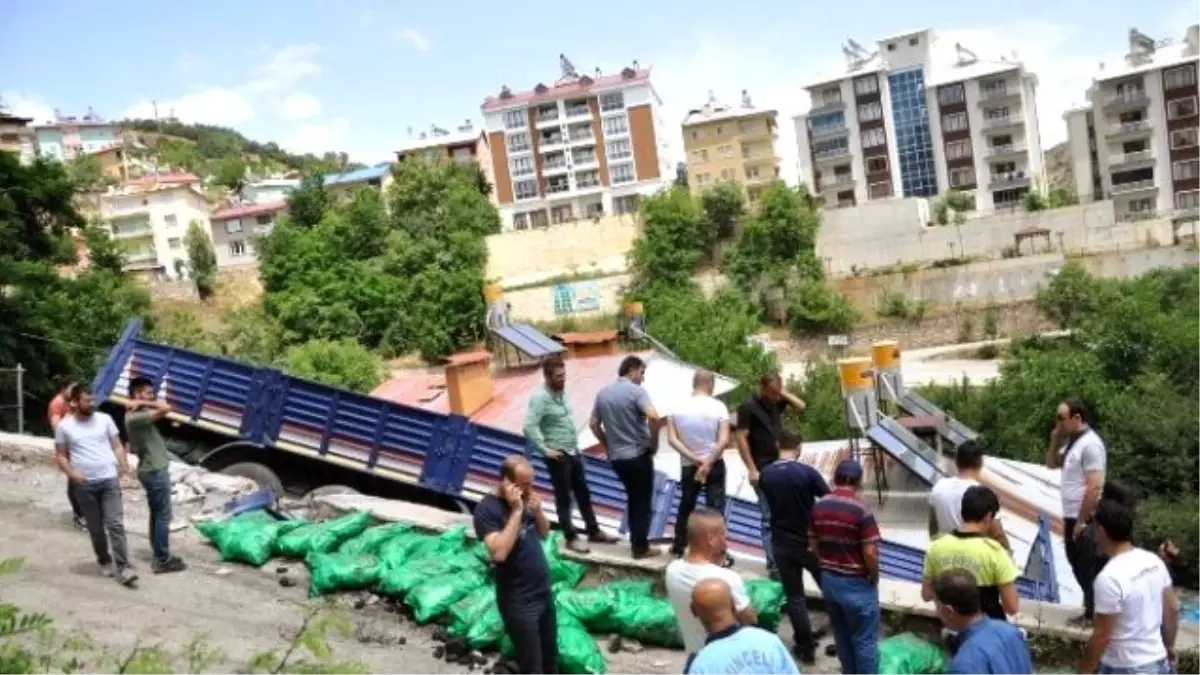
x: 853, y: 607
x: 765, y: 510
x: 158, y: 497
x: 1160, y: 667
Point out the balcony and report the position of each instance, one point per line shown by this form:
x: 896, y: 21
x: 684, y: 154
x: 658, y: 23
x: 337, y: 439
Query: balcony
x: 550, y: 143
x: 837, y: 180
x: 1008, y: 179
x: 558, y: 187
x: 584, y: 160
x: 996, y: 94
x: 141, y: 258
x: 555, y: 164
x: 1003, y: 122
x: 579, y: 112
x: 759, y: 178
x: 1127, y: 100
x: 1006, y: 150
x: 587, y: 180
x: 827, y: 105
x: 1135, y: 216
x: 132, y: 231
x: 1128, y: 129
x: 1128, y: 159
x: 1133, y: 186
x: 831, y: 154
x: 828, y: 130
x: 583, y: 135
x: 548, y: 117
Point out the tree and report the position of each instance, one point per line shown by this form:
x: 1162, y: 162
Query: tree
x: 341, y: 363
x: 1034, y: 201
x: 88, y: 173
x: 1059, y: 197
x: 952, y: 206
x: 778, y: 243
x: 816, y: 308
x: 230, y: 173
x: 103, y: 252
x: 723, y: 206
x: 308, y: 203
x: 673, y: 240
x: 202, y: 259
x: 681, y: 175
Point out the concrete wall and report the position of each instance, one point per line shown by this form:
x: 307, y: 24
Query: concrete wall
x: 895, y: 233
x: 1005, y: 281
x: 579, y: 299
x: 519, y: 258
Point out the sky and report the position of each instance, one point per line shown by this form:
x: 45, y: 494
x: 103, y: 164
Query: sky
x: 356, y: 75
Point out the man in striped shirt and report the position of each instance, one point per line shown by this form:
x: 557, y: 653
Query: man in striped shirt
x: 845, y: 537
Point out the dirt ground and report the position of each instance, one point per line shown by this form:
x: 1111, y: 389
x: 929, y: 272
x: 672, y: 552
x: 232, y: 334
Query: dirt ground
x: 237, y: 609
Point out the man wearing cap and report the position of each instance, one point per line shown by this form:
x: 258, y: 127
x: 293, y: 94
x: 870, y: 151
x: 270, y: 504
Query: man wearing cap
x: 845, y: 537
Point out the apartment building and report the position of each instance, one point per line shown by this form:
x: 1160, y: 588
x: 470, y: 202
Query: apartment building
x: 917, y: 117
x: 16, y: 136
x: 68, y: 137
x: 585, y: 146
x: 465, y: 145
x: 731, y: 144
x: 1136, y: 141
x: 148, y: 218
x: 236, y: 228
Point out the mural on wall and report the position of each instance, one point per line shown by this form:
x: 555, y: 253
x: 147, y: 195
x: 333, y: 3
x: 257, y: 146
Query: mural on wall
x: 576, y: 297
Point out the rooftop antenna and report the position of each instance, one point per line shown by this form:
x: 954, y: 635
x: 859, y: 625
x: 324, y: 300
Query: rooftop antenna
x: 568, y: 68
x: 965, y: 56
x: 858, y: 49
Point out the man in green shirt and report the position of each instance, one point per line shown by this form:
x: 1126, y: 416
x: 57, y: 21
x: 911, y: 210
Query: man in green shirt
x: 145, y: 410
x: 551, y: 431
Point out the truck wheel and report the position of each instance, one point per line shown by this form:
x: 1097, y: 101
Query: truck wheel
x: 329, y: 490
x: 259, y: 473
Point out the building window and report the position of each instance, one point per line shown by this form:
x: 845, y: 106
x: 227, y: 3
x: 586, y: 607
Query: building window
x: 233, y: 226
x: 872, y: 138
x: 612, y: 101
x: 558, y: 184
x: 514, y: 119
x: 587, y: 179
x: 1189, y: 168
x: 1183, y: 138
x: 519, y: 142
x: 262, y: 220
x: 615, y: 124
x: 700, y: 155
x: 995, y: 113
x: 626, y: 204
x: 913, y: 141
x: 955, y: 122
x: 619, y: 149
x: 866, y: 85
x: 831, y: 147
x: 1186, y: 201
x: 237, y: 248
x: 701, y: 178
x: 951, y: 94
x: 747, y: 127
x: 1181, y: 107
x: 562, y: 214
x: 958, y: 149
x: 879, y: 190
x: 752, y: 173
x: 525, y: 189
x: 520, y: 221
x: 993, y: 87
x: 698, y: 134
x: 962, y: 176
x: 831, y: 96
x: 725, y: 150
x: 1183, y: 76
x: 170, y: 220
x: 174, y: 243
x: 728, y: 174
x: 913, y: 42
x: 877, y: 164
x: 827, y: 123
x: 521, y: 166
x: 621, y: 173
x: 869, y: 112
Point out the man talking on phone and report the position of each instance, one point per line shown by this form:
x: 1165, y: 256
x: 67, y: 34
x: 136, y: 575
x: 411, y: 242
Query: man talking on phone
x: 511, y: 524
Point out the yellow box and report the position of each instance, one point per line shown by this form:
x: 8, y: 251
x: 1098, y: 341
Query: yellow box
x: 885, y: 353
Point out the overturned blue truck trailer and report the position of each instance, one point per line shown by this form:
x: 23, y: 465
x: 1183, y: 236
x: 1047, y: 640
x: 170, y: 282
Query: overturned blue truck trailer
x: 294, y: 435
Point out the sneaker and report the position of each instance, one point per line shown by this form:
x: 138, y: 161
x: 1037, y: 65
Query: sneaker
x: 579, y: 546
x: 127, y: 576
x: 79, y: 523
x: 172, y: 564
x: 728, y: 561
x: 107, y: 570
x: 647, y: 553
x: 602, y: 537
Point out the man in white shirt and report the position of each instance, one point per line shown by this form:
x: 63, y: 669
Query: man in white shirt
x: 1079, y: 451
x: 1137, y: 612
x: 945, y: 499
x: 88, y: 449
x: 699, y: 432
x: 706, y: 551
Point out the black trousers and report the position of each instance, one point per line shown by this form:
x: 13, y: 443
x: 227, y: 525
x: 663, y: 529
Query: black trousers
x: 569, y: 478
x: 714, y: 496
x: 792, y: 559
x: 532, y: 626
x: 1085, y: 559
x: 637, y: 476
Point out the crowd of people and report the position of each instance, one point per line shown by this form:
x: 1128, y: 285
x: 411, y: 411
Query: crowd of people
x: 808, y: 526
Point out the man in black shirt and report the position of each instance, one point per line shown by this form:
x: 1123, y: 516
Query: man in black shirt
x: 759, y: 422
x: 791, y: 487
x: 512, y: 525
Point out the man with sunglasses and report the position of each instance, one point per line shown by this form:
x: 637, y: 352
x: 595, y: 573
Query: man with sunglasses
x: 1079, y: 451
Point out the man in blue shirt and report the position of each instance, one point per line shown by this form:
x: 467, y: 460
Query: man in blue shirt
x: 627, y: 425
x: 985, y: 645
x: 731, y: 647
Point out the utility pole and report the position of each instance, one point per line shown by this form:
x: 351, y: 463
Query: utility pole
x: 20, y: 399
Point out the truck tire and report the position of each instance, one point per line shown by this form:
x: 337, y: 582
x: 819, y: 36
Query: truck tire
x: 328, y: 490
x: 259, y: 473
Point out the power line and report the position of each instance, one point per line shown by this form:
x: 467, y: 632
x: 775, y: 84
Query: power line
x: 59, y: 341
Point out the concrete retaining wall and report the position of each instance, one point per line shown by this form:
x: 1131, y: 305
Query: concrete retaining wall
x: 522, y: 257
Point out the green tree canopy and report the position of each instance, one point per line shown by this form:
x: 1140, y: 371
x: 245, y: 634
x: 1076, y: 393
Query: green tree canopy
x: 673, y: 240
x: 723, y: 206
x: 202, y: 259
x: 778, y: 243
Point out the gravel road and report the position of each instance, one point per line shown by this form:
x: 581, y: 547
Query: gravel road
x: 239, y: 610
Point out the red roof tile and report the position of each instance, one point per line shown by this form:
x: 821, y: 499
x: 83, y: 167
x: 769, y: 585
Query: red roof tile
x: 569, y: 88
x: 244, y: 210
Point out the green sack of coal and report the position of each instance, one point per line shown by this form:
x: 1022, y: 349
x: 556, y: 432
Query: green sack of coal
x: 398, y: 580
x: 248, y: 538
x: 594, y: 606
x: 561, y: 569
x: 213, y: 530
x: 464, y: 611
x: 578, y: 653
x: 397, y: 550
x: 647, y: 619
x: 433, y: 597
x: 487, y: 630
x: 332, y: 572
x: 907, y: 654
x: 373, y: 538
x: 767, y: 598
x: 322, y: 537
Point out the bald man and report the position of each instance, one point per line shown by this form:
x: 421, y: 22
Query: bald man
x: 706, y: 551
x: 511, y: 524
x: 731, y: 646
x: 699, y: 432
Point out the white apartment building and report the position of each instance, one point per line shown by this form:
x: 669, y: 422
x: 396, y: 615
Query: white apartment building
x: 149, y: 218
x: 916, y: 118
x: 235, y: 230
x: 582, y: 148
x: 1136, y: 141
